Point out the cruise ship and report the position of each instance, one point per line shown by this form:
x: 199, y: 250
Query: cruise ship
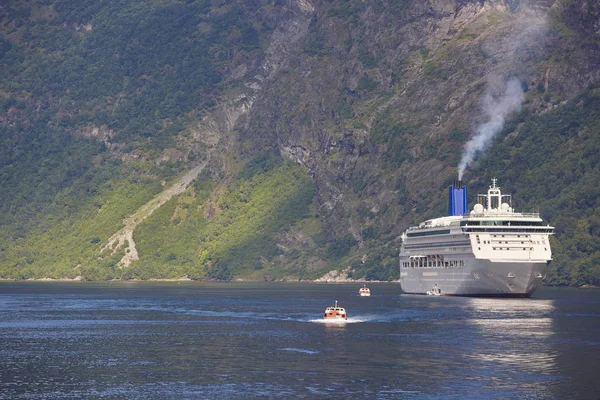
x: 492, y: 251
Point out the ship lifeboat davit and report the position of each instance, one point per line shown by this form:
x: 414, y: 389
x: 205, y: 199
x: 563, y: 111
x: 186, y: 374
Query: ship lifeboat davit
x: 364, y: 291
x: 335, y: 312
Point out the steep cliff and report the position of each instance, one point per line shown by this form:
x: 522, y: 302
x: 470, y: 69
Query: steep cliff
x: 324, y: 127
x: 380, y: 99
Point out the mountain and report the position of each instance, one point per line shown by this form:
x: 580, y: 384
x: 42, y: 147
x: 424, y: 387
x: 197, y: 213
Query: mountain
x: 256, y: 139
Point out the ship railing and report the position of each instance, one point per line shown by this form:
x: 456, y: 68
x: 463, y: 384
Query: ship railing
x: 502, y: 214
x: 509, y: 229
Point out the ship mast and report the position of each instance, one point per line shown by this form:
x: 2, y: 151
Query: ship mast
x: 493, y: 200
x: 494, y: 196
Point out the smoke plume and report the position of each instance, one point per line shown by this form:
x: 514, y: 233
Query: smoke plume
x: 495, y: 108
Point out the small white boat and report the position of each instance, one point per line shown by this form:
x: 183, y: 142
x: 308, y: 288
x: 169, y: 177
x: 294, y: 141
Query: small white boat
x: 364, y: 291
x: 435, y: 291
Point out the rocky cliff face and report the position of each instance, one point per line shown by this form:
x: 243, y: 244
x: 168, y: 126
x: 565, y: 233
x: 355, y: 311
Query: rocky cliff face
x: 377, y: 99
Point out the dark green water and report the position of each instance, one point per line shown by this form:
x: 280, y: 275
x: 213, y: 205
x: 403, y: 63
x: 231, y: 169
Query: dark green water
x: 250, y: 340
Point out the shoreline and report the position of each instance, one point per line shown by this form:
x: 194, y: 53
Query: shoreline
x: 240, y: 280
x: 78, y: 279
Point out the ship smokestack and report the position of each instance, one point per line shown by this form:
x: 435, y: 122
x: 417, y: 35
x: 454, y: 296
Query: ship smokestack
x: 457, y: 199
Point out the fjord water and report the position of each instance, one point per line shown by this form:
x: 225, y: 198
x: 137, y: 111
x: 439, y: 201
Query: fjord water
x: 158, y: 340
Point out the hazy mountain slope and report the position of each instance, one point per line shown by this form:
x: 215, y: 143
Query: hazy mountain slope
x: 105, y: 103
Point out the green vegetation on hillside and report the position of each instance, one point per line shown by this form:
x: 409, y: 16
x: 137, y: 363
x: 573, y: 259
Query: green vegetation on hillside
x: 227, y: 237
x: 130, y: 65
x: 193, y: 235
x: 64, y: 241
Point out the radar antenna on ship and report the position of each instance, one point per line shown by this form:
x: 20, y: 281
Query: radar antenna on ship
x: 494, y: 200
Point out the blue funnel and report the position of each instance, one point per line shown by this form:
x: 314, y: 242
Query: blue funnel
x: 457, y: 199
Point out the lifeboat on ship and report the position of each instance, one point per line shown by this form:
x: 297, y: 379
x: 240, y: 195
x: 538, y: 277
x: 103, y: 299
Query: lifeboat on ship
x: 364, y: 291
x: 335, y: 312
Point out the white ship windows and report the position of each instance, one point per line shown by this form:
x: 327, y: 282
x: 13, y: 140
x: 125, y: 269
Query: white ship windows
x: 449, y: 245
x: 431, y: 261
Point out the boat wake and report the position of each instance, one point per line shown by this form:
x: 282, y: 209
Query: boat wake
x: 336, y: 321
x: 297, y: 350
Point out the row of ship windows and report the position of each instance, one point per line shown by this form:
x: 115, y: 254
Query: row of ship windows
x: 509, y: 235
x: 440, y: 244
x: 525, y: 236
x: 510, y: 230
x: 501, y: 223
x: 433, y: 264
x: 510, y: 248
x: 511, y: 242
x: 506, y: 242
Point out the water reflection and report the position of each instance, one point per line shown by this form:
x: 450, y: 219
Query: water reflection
x: 511, y: 306
x: 513, y: 333
x: 337, y: 322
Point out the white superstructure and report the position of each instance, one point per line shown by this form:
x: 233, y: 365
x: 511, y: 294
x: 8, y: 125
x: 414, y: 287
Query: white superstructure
x: 491, y: 251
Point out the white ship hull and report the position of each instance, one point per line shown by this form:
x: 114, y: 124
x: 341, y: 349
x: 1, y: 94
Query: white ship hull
x: 477, y: 278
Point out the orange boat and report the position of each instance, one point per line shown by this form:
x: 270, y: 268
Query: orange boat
x: 364, y: 291
x: 335, y: 312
